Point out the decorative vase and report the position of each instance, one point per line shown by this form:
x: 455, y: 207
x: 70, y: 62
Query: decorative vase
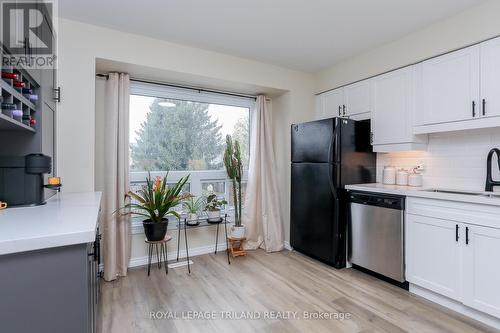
x: 213, y: 214
x: 238, y: 232
x: 155, y: 231
x: 192, y: 219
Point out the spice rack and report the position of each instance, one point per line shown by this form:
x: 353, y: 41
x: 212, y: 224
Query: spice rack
x: 13, y: 95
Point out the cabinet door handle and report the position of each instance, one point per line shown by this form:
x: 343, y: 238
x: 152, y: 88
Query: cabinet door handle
x: 57, y: 94
x: 456, y: 232
x: 339, y: 110
x: 467, y: 235
x: 473, y: 109
x: 343, y: 110
x: 484, y: 107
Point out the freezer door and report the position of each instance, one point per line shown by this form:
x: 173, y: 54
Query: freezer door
x: 314, y: 210
x: 358, y: 161
x: 313, y: 141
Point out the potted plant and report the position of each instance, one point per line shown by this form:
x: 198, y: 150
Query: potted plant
x: 192, y: 207
x: 213, y: 207
x: 155, y: 201
x: 234, y: 169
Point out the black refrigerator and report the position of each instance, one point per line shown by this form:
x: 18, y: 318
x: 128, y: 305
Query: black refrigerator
x: 326, y: 155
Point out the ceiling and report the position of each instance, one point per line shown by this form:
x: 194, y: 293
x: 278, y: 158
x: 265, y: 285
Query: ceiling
x: 306, y: 35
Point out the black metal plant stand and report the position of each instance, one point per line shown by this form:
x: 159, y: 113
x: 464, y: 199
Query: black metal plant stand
x: 202, y: 223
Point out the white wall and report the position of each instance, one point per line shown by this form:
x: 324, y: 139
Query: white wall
x: 455, y: 160
x: 476, y: 24
x: 79, y: 46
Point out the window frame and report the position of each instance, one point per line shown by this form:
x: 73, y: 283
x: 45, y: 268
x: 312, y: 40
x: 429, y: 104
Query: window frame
x: 189, y: 94
x: 197, y: 176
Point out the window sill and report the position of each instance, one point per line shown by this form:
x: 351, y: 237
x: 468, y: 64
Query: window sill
x: 137, y: 228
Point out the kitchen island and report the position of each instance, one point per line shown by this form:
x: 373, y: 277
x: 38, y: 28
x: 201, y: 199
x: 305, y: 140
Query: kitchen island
x: 49, y: 259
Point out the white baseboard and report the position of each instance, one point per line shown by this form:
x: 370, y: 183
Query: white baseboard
x: 455, y: 306
x: 193, y: 252
x: 172, y: 255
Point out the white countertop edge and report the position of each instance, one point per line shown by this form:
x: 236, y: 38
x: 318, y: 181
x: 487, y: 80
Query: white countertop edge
x: 46, y: 242
x: 56, y: 227
x: 420, y: 192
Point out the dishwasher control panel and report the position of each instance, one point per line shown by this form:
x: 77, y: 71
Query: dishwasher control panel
x: 377, y: 199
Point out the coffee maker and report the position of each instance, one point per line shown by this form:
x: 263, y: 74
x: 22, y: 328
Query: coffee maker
x: 21, y: 179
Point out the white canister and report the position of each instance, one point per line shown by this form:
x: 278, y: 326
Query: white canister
x: 402, y: 177
x: 389, y: 175
x: 415, y: 179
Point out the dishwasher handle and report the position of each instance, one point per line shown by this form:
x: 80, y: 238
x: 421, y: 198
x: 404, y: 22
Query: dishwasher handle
x: 377, y: 199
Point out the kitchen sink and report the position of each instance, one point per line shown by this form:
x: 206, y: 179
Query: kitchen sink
x: 483, y: 194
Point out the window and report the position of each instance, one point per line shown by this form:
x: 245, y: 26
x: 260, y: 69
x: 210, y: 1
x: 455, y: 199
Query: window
x: 183, y: 131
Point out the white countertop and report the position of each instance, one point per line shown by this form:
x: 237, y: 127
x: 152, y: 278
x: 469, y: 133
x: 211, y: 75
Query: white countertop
x: 66, y: 219
x: 411, y: 191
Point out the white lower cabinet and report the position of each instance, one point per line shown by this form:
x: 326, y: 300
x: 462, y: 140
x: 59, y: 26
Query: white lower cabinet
x: 481, y: 269
x: 433, y: 255
x: 453, y: 249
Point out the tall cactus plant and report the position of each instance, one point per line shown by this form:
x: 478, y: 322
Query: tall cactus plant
x: 234, y: 169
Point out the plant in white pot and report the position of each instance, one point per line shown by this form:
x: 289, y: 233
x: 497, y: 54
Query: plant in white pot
x: 192, y: 207
x: 234, y: 169
x: 155, y: 201
x: 213, y: 207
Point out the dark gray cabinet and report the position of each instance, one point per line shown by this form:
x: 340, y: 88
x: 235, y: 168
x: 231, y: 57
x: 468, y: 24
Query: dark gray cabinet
x: 17, y: 138
x: 53, y: 290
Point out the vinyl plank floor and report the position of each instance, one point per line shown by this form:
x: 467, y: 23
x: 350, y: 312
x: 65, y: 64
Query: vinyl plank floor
x: 261, y: 285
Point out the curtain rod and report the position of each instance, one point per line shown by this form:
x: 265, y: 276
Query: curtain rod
x: 106, y: 76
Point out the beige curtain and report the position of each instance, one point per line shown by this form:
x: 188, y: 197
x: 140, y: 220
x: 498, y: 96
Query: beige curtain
x: 116, y: 240
x: 262, y: 216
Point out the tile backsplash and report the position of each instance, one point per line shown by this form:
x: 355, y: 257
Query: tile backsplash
x: 452, y: 160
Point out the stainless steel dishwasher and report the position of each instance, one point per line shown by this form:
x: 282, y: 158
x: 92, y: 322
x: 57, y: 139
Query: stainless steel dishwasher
x: 376, y: 233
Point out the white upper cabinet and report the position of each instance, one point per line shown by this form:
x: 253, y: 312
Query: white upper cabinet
x: 450, y: 87
x: 329, y: 104
x: 460, y: 90
x: 333, y: 103
x: 392, y: 101
x: 351, y: 101
x: 456, y: 91
x: 319, y: 106
x: 490, y: 78
x: 357, y: 99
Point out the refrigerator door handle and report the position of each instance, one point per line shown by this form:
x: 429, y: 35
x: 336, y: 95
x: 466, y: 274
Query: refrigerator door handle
x: 333, y: 143
x: 330, y: 181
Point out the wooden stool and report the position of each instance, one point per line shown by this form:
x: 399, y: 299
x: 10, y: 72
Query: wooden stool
x: 236, y: 246
x: 159, y: 253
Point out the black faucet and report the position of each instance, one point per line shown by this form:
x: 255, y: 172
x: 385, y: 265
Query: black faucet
x: 489, y: 181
